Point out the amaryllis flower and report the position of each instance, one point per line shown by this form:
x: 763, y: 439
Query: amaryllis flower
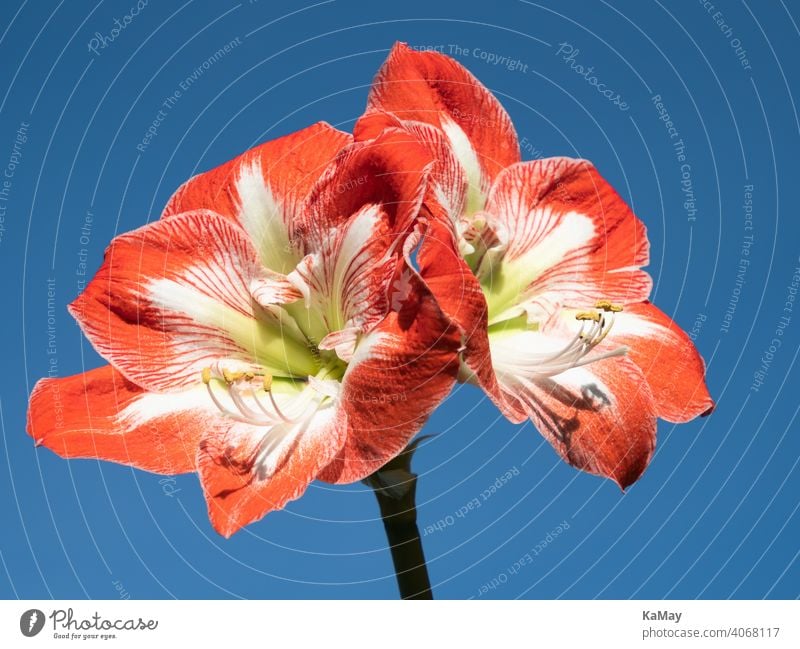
x: 256, y: 334
x: 540, y: 265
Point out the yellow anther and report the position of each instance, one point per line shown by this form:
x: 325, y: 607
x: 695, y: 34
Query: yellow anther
x: 206, y: 374
x: 267, y: 382
x: 588, y: 315
x: 608, y: 305
x: 231, y: 377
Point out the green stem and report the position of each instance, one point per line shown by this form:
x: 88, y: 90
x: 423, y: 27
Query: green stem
x: 397, y: 502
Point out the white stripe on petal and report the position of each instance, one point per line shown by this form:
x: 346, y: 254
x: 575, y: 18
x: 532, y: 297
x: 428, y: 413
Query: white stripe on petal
x: 551, y: 241
x: 153, y: 405
x: 344, y: 283
x: 196, y: 320
x: 265, y: 219
x: 466, y: 155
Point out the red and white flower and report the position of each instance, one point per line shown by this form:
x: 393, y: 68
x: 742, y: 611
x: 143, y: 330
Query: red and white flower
x: 253, y: 333
x: 540, y: 266
x: 271, y: 328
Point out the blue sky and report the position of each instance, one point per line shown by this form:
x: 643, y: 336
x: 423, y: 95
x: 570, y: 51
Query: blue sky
x: 94, y: 139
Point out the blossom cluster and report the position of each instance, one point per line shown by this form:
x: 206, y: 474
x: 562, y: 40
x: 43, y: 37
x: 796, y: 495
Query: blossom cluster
x: 298, y: 312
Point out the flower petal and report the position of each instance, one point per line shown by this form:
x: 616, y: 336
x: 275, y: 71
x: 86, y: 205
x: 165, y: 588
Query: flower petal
x: 567, y: 237
x: 668, y: 358
x: 346, y: 282
x: 100, y: 414
x: 343, y: 342
x: 390, y: 171
x: 449, y: 183
x: 600, y: 418
x: 253, y: 471
x: 399, y: 373
x: 460, y: 297
x: 433, y: 88
x: 175, y: 296
x: 262, y: 189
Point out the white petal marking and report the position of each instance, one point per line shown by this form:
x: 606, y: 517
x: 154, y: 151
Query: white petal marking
x: 152, y: 405
x: 265, y: 219
x: 466, y: 155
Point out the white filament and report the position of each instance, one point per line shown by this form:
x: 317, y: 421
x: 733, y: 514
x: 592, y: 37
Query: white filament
x: 252, y: 404
x: 576, y: 353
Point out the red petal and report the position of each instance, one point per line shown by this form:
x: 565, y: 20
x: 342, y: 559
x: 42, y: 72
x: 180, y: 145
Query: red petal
x: 390, y: 171
x: 431, y: 87
x: 671, y: 364
x: 459, y: 295
x: 162, y: 306
x: 562, y: 217
x: 290, y: 166
x: 238, y: 488
x: 347, y: 280
x: 599, y: 418
x: 447, y: 176
x: 100, y: 414
x: 399, y: 374
x: 263, y: 188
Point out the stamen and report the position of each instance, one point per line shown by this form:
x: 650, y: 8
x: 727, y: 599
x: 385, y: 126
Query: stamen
x: 275, y: 405
x: 237, y: 399
x: 594, y: 328
x: 244, y: 394
x: 607, y: 329
x: 608, y: 305
x: 231, y: 377
x: 222, y: 408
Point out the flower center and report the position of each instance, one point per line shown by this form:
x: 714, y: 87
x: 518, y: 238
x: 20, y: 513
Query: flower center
x: 504, y: 288
x: 256, y: 397
x: 595, y: 326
